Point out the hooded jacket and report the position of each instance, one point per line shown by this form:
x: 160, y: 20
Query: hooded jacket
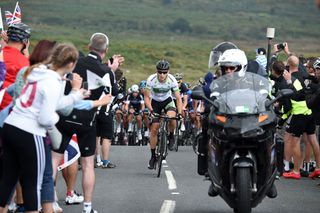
x: 34, y: 111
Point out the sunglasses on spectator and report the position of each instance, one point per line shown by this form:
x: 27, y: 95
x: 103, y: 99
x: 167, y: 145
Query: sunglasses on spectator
x: 162, y: 72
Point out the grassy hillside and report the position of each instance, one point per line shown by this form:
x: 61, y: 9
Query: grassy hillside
x: 182, y: 31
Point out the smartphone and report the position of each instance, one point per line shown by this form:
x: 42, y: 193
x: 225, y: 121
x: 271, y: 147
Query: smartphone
x: 69, y: 76
x: 85, y: 85
x: 0, y: 48
x: 287, y: 68
x: 111, y: 60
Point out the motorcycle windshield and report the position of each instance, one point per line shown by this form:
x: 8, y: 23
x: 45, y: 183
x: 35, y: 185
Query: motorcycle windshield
x: 240, y: 94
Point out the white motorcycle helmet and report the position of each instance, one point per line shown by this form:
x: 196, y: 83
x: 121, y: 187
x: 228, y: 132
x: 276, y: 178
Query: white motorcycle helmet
x: 235, y: 58
x: 217, y: 51
x: 134, y: 88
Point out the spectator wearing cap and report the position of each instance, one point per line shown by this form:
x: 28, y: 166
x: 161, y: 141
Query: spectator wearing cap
x: 261, y: 57
x: 15, y: 55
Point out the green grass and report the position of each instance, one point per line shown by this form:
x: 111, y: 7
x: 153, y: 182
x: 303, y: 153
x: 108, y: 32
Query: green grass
x: 141, y: 30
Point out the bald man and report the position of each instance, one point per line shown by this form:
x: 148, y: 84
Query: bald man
x: 300, y: 121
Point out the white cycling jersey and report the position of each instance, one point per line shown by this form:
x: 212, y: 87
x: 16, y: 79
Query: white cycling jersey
x: 161, y: 91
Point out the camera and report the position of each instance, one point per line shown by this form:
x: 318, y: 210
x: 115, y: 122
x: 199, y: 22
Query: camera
x: 281, y: 46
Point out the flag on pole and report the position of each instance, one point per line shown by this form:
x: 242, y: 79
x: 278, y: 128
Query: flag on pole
x: 8, y: 16
x: 15, y: 17
x: 71, y: 154
x: 1, y: 22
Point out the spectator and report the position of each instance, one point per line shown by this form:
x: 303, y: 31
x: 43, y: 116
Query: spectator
x: 121, y: 81
x: 301, y: 120
x: 82, y: 122
x: 261, y: 57
x: 15, y: 55
x: 30, y: 120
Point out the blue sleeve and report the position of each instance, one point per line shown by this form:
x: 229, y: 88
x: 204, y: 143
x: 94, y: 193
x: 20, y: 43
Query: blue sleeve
x: 83, y: 105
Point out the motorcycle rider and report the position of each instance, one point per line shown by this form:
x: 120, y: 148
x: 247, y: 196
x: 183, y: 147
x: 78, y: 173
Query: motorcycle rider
x: 215, y: 54
x: 230, y: 61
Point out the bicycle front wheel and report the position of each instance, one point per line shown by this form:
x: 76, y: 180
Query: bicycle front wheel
x: 162, y: 147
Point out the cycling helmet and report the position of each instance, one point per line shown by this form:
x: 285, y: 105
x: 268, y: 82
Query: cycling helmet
x: 316, y: 64
x: 217, y: 51
x: 134, y: 88
x: 236, y: 58
x: 162, y: 65
x: 120, y: 96
x: 19, y: 32
x: 178, y: 76
x: 143, y: 84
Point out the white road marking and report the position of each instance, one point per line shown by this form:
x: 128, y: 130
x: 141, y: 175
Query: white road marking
x: 165, y: 166
x: 164, y: 161
x: 168, y: 206
x: 171, y: 181
x: 175, y: 193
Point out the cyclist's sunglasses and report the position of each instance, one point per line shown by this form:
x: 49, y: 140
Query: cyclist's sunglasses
x: 162, y: 72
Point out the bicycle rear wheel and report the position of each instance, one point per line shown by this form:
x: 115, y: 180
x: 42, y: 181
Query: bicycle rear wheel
x: 162, y: 147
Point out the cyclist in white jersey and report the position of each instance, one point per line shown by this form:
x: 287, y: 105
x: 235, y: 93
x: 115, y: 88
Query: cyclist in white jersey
x: 158, y: 96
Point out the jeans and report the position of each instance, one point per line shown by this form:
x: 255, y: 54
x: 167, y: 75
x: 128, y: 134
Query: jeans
x: 47, y: 188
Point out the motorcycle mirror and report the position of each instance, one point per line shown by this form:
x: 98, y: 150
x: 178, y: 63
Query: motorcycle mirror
x: 285, y: 93
x: 282, y: 93
x: 197, y: 93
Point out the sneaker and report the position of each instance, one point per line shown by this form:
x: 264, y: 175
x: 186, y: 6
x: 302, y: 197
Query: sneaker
x: 130, y: 127
x: 118, y: 128
x: 291, y: 175
x: 20, y: 209
x: 12, y: 207
x: 56, y: 207
x: 315, y: 173
x: 139, y: 136
x: 92, y: 211
x: 182, y: 127
x: 304, y: 173
x: 108, y: 166
x: 76, y: 198
x: 98, y: 164
x: 152, y: 163
x: 146, y: 133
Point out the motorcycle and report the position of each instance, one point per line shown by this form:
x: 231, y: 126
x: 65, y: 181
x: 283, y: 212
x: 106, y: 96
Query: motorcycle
x: 241, y: 146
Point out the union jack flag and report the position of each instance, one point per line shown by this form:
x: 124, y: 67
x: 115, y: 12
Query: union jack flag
x: 8, y: 16
x: 71, y: 154
x: 15, y: 17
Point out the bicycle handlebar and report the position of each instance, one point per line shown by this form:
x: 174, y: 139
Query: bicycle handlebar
x: 156, y: 115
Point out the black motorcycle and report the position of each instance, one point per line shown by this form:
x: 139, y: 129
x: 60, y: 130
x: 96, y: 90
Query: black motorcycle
x: 241, y: 146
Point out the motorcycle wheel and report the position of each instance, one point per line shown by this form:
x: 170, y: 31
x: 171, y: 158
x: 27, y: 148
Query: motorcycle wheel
x: 243, y: 190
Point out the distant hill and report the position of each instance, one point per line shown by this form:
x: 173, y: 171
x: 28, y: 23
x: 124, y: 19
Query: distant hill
x: 181, y: 30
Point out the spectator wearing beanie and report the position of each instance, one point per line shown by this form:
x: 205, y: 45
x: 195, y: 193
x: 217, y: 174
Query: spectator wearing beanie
x: 261, y: 57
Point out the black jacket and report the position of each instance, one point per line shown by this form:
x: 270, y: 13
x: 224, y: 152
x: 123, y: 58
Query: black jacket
x: 92, y: 62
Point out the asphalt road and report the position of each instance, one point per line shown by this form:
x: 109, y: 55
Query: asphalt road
x: 131, y: 188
